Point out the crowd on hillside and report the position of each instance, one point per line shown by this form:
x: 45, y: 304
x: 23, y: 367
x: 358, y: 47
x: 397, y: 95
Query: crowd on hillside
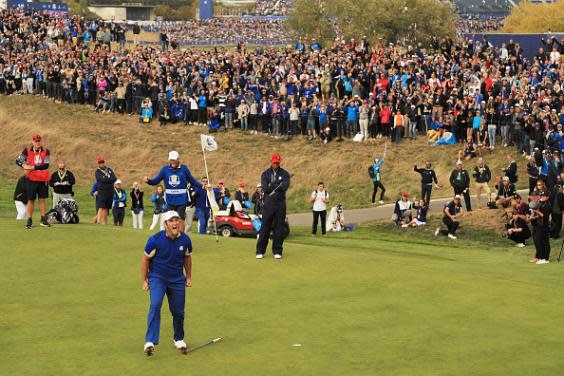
x: 468, y: 90
x: 231, y: 30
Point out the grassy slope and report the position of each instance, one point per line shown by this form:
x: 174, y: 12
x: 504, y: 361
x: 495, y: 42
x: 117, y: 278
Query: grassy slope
x: 363, y: 303
x: 76, y: 134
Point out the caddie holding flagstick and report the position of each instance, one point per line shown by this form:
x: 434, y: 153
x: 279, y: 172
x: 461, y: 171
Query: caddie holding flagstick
x: 209, y: 144
x: 167, y: 256
x: 176, y: 178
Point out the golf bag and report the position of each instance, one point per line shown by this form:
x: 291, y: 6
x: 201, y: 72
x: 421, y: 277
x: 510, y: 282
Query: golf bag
x: 66, y: 212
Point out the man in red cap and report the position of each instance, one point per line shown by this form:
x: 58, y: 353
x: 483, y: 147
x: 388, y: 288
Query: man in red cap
x: 275, y: 182
x: 35, y: 161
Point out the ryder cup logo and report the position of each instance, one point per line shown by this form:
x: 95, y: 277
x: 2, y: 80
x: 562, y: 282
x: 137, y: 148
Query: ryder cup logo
x: 37, y: 159
x: 173, y: 180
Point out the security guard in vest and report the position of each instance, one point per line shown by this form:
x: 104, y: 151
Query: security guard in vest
x: 275, y: 182
x: 35, y: 161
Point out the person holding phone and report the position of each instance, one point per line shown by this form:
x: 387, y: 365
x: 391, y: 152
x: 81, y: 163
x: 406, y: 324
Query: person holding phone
x: 320, y: 199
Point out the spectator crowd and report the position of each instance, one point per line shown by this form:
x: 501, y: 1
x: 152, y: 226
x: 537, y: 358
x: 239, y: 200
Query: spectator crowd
x: 464, y: 91
x: 230, y: 30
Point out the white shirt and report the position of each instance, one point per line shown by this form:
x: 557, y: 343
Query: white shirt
x: 319, y: 196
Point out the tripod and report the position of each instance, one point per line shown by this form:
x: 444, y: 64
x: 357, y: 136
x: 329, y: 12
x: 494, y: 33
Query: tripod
x: 561, y: 248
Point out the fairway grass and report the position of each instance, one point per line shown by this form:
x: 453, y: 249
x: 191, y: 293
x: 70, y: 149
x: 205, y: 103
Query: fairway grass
x: 363, y: 303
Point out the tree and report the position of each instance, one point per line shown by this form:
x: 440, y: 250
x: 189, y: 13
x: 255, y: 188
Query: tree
x: 535, y: 18
x: 310, y: 19
x: 405, y: 20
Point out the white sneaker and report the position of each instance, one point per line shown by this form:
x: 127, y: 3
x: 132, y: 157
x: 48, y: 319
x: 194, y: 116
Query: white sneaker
x: 277, y: 256
x: 181, y: 345
x: 259, y: 256
x: 520, y: 245
x: 542, y: 262
x: 149, y: 348
x: 381, y: 202
x: 404, y: 226
x: 437, y: 231
x: 451, y: 236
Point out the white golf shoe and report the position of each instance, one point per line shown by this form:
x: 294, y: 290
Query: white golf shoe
x: 181, y: 346
x: 149, y: 349
x: 451, y: 236
x: 277, y: 256
x: 437, y: 231
x: 259, y: 256
x: 520, y: 245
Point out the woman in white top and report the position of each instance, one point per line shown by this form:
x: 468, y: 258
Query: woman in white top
x: 320, y: 199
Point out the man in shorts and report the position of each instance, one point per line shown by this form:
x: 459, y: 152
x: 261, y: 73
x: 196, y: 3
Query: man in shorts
x: 35, y: 161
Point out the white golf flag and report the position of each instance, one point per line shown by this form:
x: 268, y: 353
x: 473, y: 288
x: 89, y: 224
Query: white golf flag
x: 208, y: 142
x: 213, y: 204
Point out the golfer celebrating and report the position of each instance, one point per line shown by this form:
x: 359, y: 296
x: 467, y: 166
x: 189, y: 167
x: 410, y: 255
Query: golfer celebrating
x: 275, y: 181
x: 166, y: 254
x: 176, y: 178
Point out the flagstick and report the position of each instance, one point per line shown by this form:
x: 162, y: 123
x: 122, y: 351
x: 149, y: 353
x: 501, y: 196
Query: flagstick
x: 208, y: 176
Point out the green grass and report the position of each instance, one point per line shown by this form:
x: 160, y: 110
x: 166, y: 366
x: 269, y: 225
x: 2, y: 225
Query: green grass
x: 364, y: 303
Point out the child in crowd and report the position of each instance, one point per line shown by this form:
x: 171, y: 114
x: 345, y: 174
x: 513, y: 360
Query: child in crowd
x: 159, y: 202
x: 120, y: 202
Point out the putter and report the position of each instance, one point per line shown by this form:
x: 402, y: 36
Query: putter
x: 215, y: 340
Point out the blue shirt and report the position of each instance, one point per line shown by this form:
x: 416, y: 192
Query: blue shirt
x: 176, y: 183
x: 167, y: 256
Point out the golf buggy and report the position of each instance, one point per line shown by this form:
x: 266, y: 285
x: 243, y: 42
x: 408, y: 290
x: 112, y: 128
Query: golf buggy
x: 234, y: 221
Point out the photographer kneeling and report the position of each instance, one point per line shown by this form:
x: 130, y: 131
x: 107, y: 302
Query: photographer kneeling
x: 402, y: 211
x: 518, y: 229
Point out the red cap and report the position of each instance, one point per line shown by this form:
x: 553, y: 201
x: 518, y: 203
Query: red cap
x: 241, y: 184
x: 36, y: 137
x: 405, y: 194
x: 220, y: 181
x: 276, y: 158
x: 100, y: 159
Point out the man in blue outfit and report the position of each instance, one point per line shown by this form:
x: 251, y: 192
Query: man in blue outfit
x: 203, y: 206
x: 167, y: 255
x: 375, y: 175
x: 176, y: 178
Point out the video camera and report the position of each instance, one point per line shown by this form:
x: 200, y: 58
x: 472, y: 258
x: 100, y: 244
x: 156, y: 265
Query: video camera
x: 20, y: 160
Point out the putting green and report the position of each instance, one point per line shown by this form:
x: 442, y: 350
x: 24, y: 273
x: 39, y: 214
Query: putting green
x: 364, y: 303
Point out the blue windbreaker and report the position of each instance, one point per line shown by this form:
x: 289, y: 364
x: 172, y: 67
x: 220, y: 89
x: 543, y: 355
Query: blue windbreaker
x: 176, y: 183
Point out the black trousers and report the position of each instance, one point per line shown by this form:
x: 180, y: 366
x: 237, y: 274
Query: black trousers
x: 118, y: 214
x: 378, y: 184
x: 273, y: 218
x: 541, y: 239
x: 316, y: 215
x: 519, y: 237
x: 555, y: 225
x: 466, y: 194
x: 426, y: 190
x: 451, y: 225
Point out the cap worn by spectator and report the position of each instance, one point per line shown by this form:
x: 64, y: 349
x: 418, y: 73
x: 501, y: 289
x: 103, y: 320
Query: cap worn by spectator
x: 118, y: 182
x: 505, y: 178
x: 100, y: 159
x: 36, y: 137
x: 241, y: 184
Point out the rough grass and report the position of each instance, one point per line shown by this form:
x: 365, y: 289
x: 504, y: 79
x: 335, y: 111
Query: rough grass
x: 77, y: 134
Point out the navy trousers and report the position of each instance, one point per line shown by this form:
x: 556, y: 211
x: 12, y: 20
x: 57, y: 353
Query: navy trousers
x: 176, y: 296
